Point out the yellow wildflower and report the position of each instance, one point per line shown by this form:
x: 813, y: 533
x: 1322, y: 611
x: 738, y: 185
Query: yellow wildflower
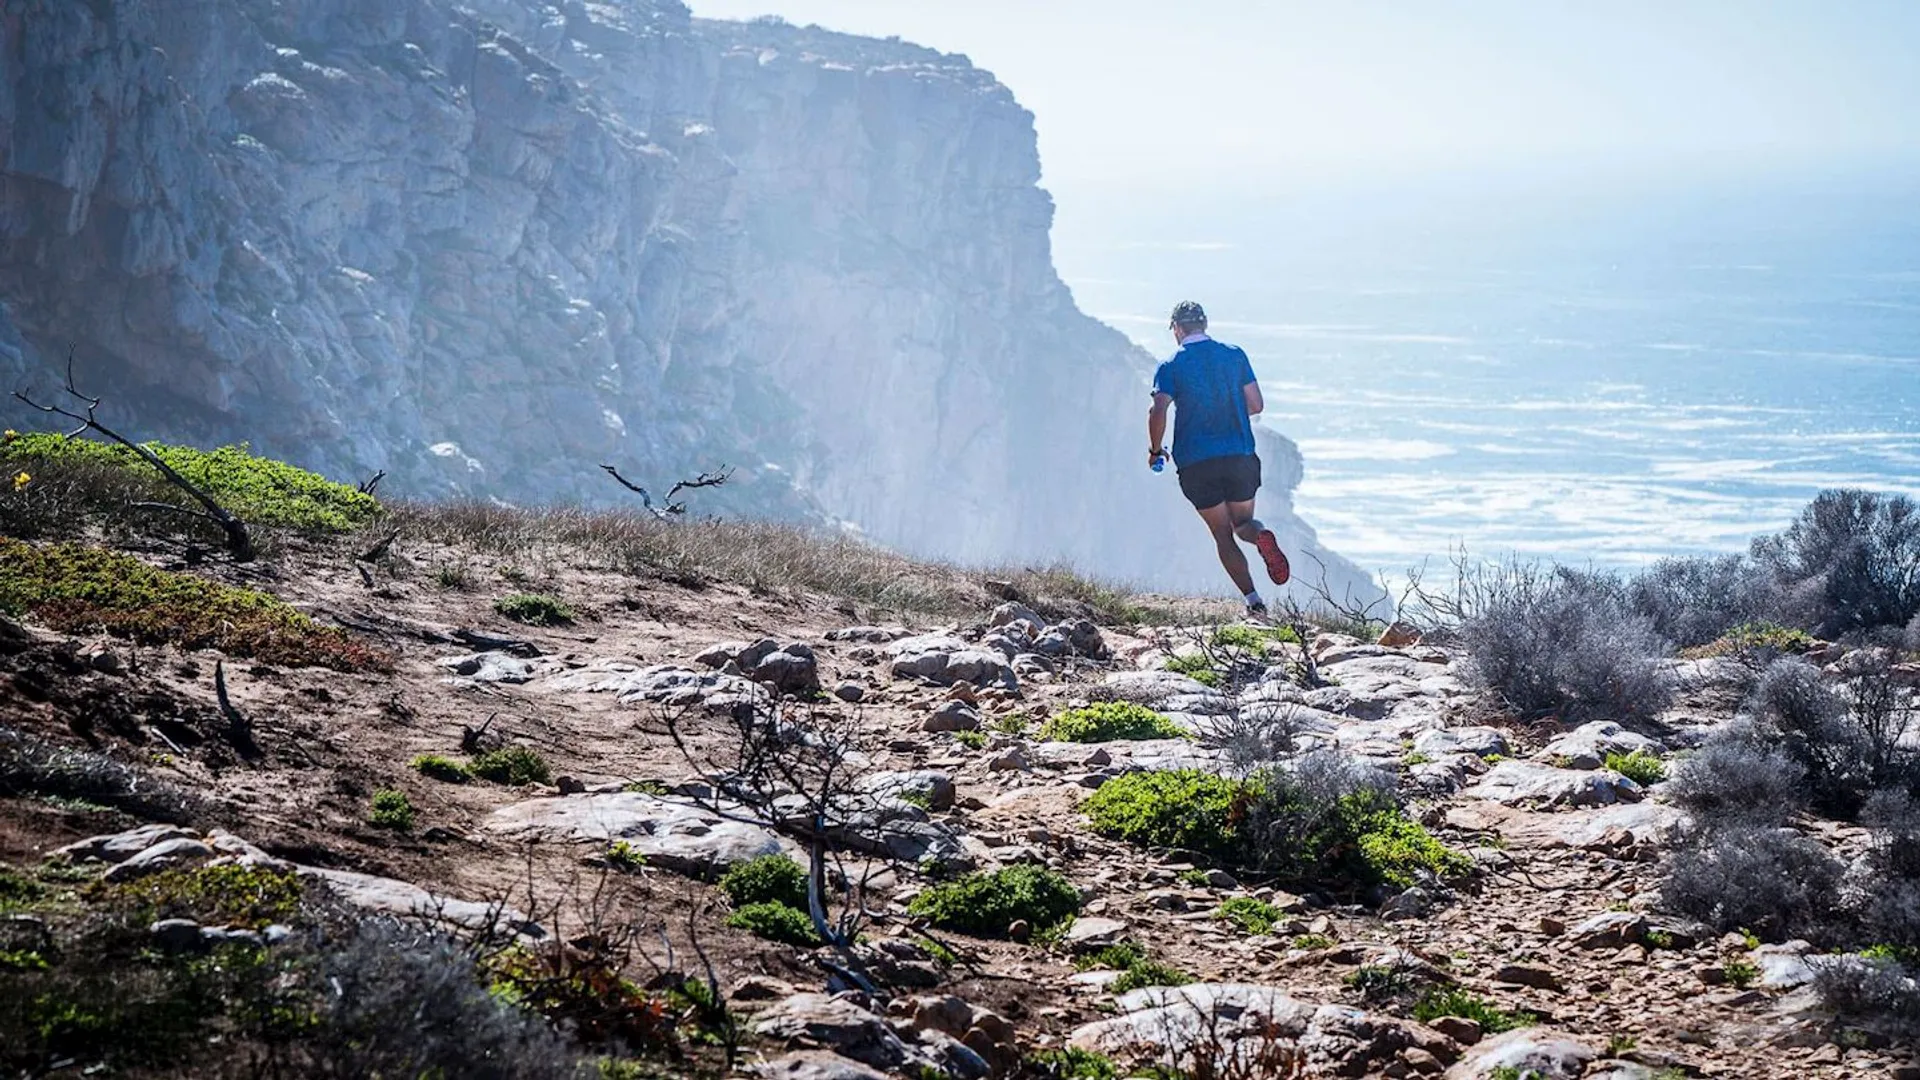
x: 9, y: 435
x: 22, y: 481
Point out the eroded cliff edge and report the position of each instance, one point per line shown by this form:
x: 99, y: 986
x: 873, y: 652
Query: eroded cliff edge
x: 486, y: 246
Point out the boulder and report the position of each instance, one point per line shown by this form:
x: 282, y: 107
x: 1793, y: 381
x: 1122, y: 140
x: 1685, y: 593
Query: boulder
x: 1587, y: 746
x: 1233, y: 1023
x: 790, y: 669
x: 1014, y: 613
x: 488, y: 667
x: 119, y: 847
x: 850, y: 1030
x: 952, y: 716
x: 942, y: 659
x: 1610, y: 930
x: 929, y: 786
x: 1478, y: 741
x: 158, y: 857
x: 672, y: 833
x: 1530, y: 783
x: 1543, y: 1052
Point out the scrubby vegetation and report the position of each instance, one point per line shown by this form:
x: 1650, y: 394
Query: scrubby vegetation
x: 1452, y: 1001
x: 1109, y: 721
x: 1136, y: 968
x: 391, y: 810
x: 775, y: 922
x: 769, y: 879
x: 78, y: 588
x: 1195, y: 666
x: 68, y: 471
x: 1253, y: 915
x: 1321, y: 820
x: 1641, y: 767
x: 30, y: 767
x: 534, y: 609
x: 436, y: 767
x: 987, y: 904
x: 513, y: 765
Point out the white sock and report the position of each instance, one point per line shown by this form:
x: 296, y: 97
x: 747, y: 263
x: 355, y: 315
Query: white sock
x: 1253, y: 598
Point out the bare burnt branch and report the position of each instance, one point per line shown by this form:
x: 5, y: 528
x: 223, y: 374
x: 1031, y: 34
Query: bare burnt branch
x: 239, y: 542
x: 366, y: 486
x: 671, y: 509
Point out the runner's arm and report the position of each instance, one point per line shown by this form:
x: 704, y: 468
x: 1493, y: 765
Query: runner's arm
x: 1255, y: 402
x: 1157, y: 423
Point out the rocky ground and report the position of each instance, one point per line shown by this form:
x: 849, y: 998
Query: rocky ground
x: 1557, y: 920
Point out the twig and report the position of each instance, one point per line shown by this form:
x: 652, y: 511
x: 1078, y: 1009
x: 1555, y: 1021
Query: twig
x: 239, y: 728
x: 239, y: 543
x: 473, y: 639
x: 378, y: 550
x: 366, y: 486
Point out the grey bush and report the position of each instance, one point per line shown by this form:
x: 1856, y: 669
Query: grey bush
x: 1890, y: 913
x: 1852, y: 558
x: 401, y: 1000
x: 1566, y: 644
x: 1736, y: 779
x: 1692, y: 601
x: 1882, y: 993
x: 31, y: 766
x: 1849, y: 747
x: 1775, y: 883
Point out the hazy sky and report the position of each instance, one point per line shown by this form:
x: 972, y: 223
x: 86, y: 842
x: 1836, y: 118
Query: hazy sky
x: 1134, y: 93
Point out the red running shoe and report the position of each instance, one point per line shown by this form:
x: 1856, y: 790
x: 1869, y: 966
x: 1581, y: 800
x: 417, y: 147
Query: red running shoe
x: 1276, y: 560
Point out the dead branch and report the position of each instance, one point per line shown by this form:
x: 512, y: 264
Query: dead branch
x: 366, y: 486
x: 239, y: 542
x: 239, y: 728
x: 479, y: 642
x: 380, y: 548
x: 671, y: 509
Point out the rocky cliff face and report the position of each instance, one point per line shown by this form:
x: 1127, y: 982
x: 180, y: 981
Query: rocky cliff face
x: 486, y: 246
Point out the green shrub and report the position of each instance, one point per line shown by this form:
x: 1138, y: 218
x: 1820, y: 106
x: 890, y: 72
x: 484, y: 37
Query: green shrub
x: 1452, y: 1001
x: 435, y: 767
x: 623, y: 856
x: 391, y: 810
x: 534, y: 609
x: 769, y: 879
x: 513, y: 765
x: 1251, y: 915
x: 986, y: 904
x: 1110, y: 721
x: 79, y: 588
x: 1740, y: 973
x: 775, y: 922
x: 255, y: 489
x: 972, y: 740
x: 17, y: 890
x: 1183, y: 809
x: 1756, y: 637
x: 1253, y: 639
x: 1309, y: 942
x: 1394, y: 846
x: 1071, y: 1063
x: 1197, y: 667
x: 222, y: 894
x: 1136, y: 968
x: 1640, y: 767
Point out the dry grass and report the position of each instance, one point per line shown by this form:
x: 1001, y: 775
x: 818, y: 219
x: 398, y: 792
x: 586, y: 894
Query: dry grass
x: 769, y: 557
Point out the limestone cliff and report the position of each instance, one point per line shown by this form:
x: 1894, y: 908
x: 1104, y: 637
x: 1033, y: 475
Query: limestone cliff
x: 488, y: 245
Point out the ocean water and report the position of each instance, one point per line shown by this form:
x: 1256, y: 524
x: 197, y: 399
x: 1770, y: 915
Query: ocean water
x: 1644, y: 370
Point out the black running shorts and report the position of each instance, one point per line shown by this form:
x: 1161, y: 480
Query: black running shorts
x: 1219, y: 480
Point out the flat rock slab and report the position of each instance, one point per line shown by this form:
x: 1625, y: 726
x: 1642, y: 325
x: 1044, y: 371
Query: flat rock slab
x: 669, y: 684
x: 816, y: 1065
x: 1167, y: 691
x: 1642, y: 822
x: 1546, y: 1054
x: 389, y: 896
x: 1530, y: 783
x: 1235, y: 1022
x: 1475, y: 740
x: 671, y: 833
x: 487, y: 667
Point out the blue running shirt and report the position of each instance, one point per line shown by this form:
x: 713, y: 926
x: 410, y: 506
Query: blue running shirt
x: 1207, y: 381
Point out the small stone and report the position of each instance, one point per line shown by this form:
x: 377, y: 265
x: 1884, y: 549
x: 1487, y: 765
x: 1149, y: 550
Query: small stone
x: 1420, y: 1061
x: 105, y: 661
x: 1827, y: 1055
x: 1908, y: 1071
x: 1013, y: 759
x: 946, y: 1014
x: 1019, y: 930
x: 1527, y: 975
x: 850, y: 692
x: 1220, y: 879
x: 760, y: 988
x: 1458, y: 1028
x: 176, y: 935
x: 569, y: 785
x: 1551, y: 926
x: 275, y: 933
x: 953, y: 716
